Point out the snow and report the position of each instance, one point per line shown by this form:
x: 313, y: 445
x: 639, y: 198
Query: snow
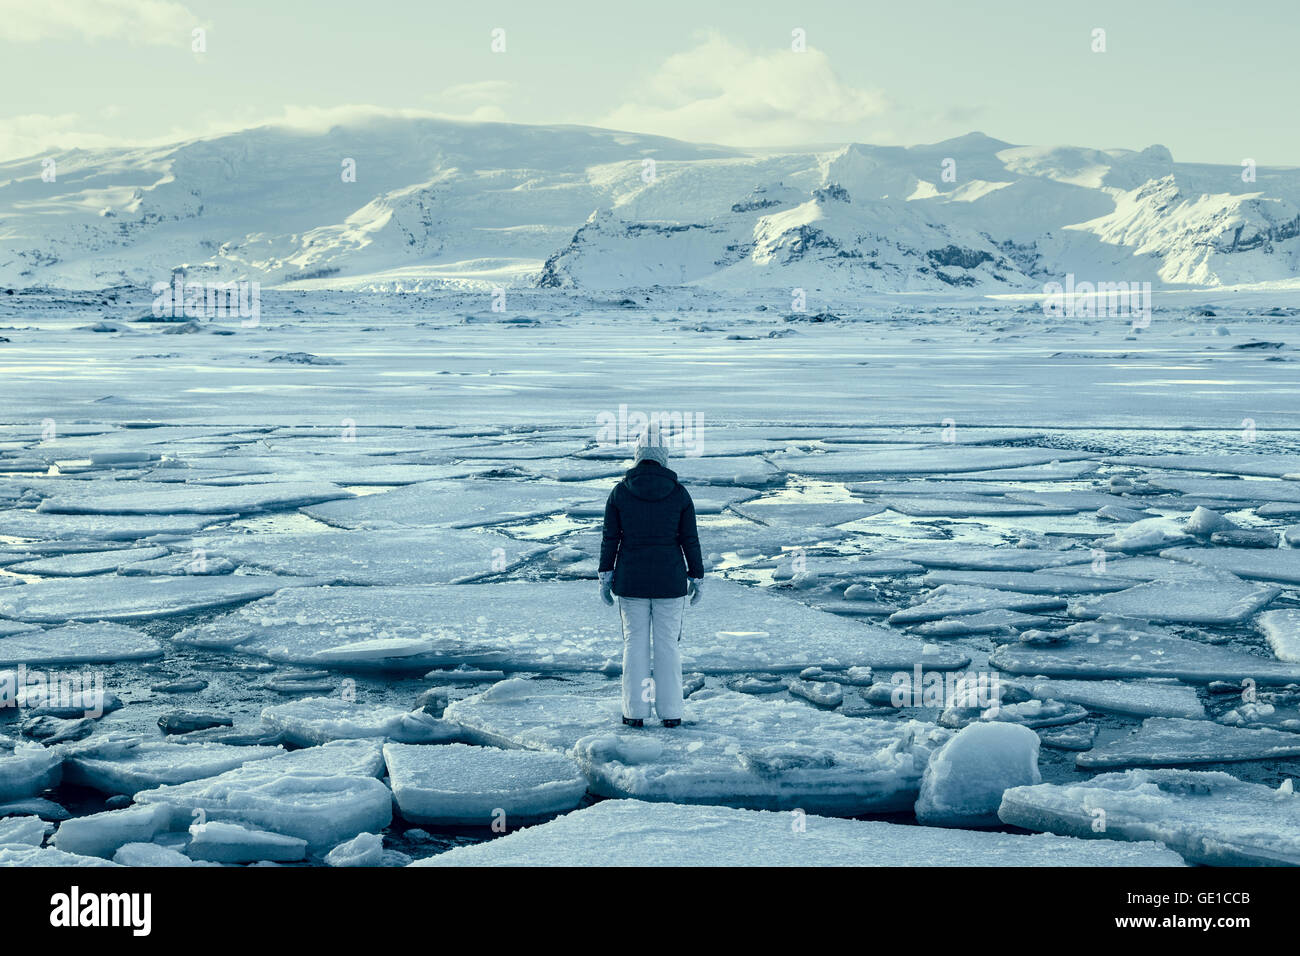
x: 1281, y: 628
x: 232, y: 843
x: 323, y: 795
x: 566, y: 628
x: 732, y: 748
x: 633, y: 833
x: 309, y: 721
x: 1096, y: 650
x: 460, y: 785
x: 965, y: 778
x: 1176, y: 740
x: 1209, y: 818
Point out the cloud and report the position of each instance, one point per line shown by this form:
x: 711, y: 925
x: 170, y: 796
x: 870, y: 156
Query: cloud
x: 36, y: 133
x: 159, y: 22
x: 719, y: 92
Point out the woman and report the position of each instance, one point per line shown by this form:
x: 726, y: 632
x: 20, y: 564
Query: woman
x: 650, y: 558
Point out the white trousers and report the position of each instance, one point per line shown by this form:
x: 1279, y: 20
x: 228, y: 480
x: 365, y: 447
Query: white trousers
x: 652, y: 623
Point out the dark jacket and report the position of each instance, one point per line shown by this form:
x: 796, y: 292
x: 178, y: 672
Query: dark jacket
x: 650, y: 541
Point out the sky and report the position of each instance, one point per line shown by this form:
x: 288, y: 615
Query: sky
x: 1213, y: 82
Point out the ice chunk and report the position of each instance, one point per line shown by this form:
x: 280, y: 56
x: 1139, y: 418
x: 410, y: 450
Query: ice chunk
x: 1027, y: 582
x: 1225, y: 599
x: 732, y: 748
x: 979, y: 558
x: 964, y: 781
x: 28, y: 830
x: 456, y: 504
x: 835, y: 567
x: 109, y: 497
x: 1175, y: 740
x: 1109, y: 649
x: 324, y: 794
x: 1282, y: 630
x: 102, y: 834
x: 1272, y: 466
x: 478, y: 786
x: 1231, y: 489
x: 548, y: 626
x: 393, y: 556
x: 1143, y: 698
x: 821, y: 693
x: 87, y: 562
x: 120, y: 598
x: 634, y: 833
x: 232, y: 843
x: 954, y: 506
x: 78, y: 644
x: 953, y: 599
x: 22, y: 855
x: 1149, y: 534
x: 938, y: 459
x: 776, y: 512
x: 985, y: 622
x: 1274, y: 564
x: 316, y: 720
x: 127, y: 764
x: 45, y: 527
x: 364, y: 849
x: 152, y: 854
x: 1209, y: 818
x: 27, y: 770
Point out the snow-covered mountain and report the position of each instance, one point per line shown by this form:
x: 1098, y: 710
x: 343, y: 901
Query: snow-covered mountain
x: 439, y: 203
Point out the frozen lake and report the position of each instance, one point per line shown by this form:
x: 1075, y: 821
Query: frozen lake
x: 335, y: 577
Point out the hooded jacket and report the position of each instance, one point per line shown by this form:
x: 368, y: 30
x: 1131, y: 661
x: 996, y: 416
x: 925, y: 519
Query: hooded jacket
x: 650, y: 541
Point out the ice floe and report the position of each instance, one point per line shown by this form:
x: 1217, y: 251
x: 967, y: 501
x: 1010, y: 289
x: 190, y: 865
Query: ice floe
x: 123, y: 598
x: 310, y: 721
x: 732, y: 749
x: 565, y: 628
x: 1109, y: 649
x: 964, y: 781
x: 1163, y: 741
x: 462, y: 785
x: 1208, y: 818
x: 635, y: 833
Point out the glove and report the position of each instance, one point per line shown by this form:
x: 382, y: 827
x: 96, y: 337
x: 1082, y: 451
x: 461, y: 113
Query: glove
x: 693, y: 586
x: 606, y: 587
